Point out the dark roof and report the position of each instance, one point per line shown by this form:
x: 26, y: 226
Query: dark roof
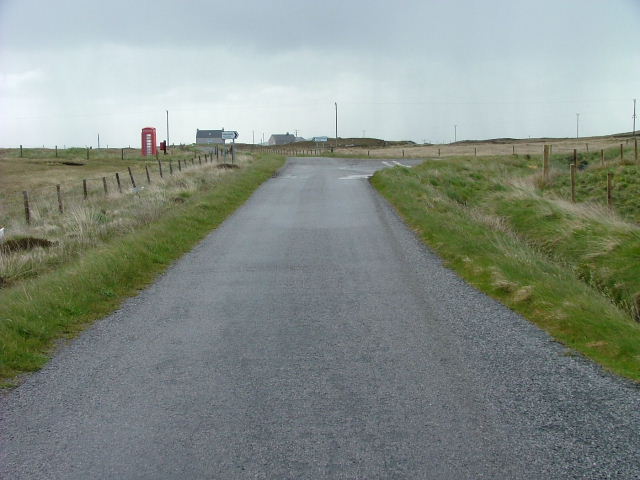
x: 209, y: 133
x: 283, y: 138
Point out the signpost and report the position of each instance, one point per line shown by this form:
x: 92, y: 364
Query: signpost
x: 231, y: 135
x: 320, y: 140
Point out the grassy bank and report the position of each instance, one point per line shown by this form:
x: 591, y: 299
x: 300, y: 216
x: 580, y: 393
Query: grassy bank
x: 59, y: 302
x: 567, y: 267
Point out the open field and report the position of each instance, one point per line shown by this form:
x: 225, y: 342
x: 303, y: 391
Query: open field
x: 489, y: 147
x: 572, y: 268
x: 103, y: 214
x: 103, y: 249
x: 39, y: 170
x: 376, y: 148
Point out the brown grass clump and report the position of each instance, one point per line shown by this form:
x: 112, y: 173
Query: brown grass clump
x: 523, y: 294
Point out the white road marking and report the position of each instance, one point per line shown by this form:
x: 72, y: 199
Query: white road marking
x: 356, y: 177
x: 387, y: 164
x: 401, y: 164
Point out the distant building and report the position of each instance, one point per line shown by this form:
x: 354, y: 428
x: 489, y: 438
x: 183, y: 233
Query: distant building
x: 281, y: 139
x: 209, y: 136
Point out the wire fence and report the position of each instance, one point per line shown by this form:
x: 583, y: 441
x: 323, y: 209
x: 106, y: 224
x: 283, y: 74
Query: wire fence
x: 56, y: 198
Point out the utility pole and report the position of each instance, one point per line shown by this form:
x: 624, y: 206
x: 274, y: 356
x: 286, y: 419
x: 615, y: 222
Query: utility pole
x: 336, y: 103
x: 634, y: 117
x: 98, y: 141
x: 167, y: 128
x: 577, y: 125
x: 296, y: 130
x: 253, y: 137
x: 455, y: 133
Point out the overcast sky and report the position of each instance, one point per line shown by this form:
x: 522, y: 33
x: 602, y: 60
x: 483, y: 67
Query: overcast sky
x: 73, y: 69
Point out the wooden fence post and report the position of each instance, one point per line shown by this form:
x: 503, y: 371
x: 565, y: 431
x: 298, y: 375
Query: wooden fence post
x: 84, y: 188
x: 575, y: 157
x: 545, y: 164
x: 122, y: 154
x: 513, y: 149
x: 133, y: 182
x: 160, y: 168
x: 27, y: 210
x: 610, y: 189
x: 59, y: 194
x: 170, y: 167
x: 56, y: 151
x: 118, y: 182
x: 146, y: 169
x: 438, y: 152
x: 199, y: 160
x: 475, y: 151
x: 87, y: 154
x: 587, y: 147
x: 179, y: 165
x: 104, y: 185
x: 573, y: 182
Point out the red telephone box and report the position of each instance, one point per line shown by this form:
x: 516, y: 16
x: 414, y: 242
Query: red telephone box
x: 149, y: 146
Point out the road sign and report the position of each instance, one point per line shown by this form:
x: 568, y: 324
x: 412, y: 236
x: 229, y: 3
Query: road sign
x: 320, y: 139
x: 229, y: 135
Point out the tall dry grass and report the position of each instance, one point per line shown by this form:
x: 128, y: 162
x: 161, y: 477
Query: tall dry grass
x: 88, y: 223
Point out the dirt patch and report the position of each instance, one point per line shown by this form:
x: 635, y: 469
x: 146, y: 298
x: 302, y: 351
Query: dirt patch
x: 22, y: 244
x: 54, y: 164
x: 227, y: 165
x: 178, y: 200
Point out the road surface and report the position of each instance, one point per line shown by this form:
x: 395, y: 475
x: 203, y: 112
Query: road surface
x: 312, y: 336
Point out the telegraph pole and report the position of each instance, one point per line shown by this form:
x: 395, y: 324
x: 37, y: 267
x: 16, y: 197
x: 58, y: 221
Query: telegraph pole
x: 577, y: 125
x: 167, y: 128
x: 336, y: 103
x: 98, y: 141
x: 253, y: 137
x: 634, y: 117
x: 455, y: 133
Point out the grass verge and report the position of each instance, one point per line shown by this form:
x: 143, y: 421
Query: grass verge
x: 484, y: 224
x: 60, y: 303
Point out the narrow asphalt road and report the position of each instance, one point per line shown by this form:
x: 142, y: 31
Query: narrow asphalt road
x: 312, y: 336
